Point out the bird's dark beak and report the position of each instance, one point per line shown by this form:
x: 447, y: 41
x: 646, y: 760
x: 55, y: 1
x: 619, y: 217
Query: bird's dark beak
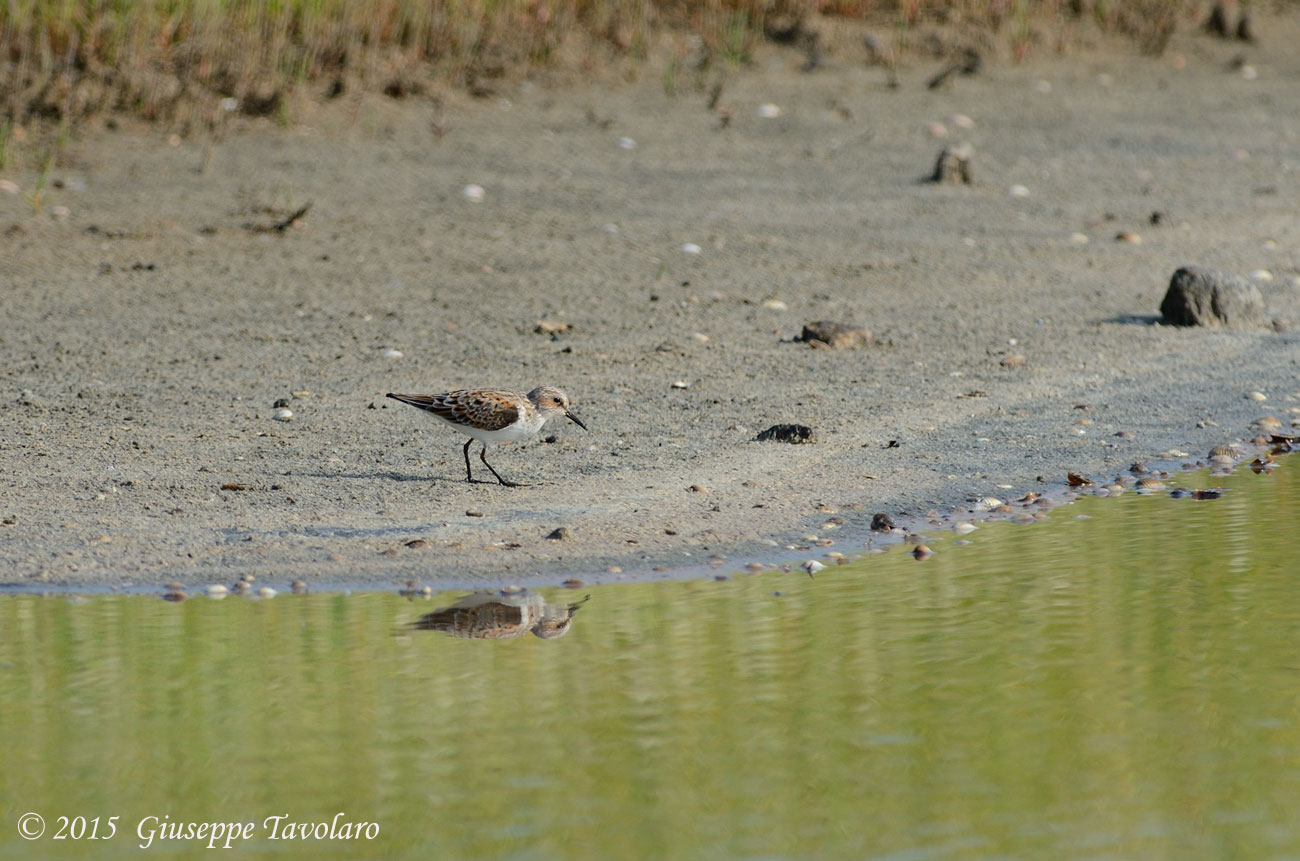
x: 577, y: 421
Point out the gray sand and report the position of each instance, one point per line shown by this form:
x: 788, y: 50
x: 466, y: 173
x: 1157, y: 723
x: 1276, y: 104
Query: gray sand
x: 143, y: 356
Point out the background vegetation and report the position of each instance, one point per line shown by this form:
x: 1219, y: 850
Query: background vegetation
x: 184, y: 61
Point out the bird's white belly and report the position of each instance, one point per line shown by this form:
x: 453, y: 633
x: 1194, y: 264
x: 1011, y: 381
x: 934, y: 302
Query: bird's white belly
x: 520, y: 430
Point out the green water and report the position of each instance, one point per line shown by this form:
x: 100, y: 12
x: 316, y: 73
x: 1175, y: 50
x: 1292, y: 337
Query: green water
x: 1122, y: 686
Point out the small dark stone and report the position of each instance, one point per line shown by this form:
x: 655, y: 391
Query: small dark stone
x: 1244, y: 31
x: 1217, y: 23
x: 881, y: 522
x: 954, y: 165
x: 793, y: 434
x: 280, y: 402
x: 559, y: 533
x: 1209, y: 297
x: 839, y: 336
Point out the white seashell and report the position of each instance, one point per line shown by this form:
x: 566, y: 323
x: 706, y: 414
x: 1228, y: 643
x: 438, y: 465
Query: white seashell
x: 1261, y: 275
x: 1257, y: 396
x: 216, y: 590
x: 1079, y: 238
x: 769, y: 111
x: 1018, y: 191
x: 626, y: 143
x: 266, y: 592
x: 964, y: 528
x: 937, y: 130
x: 474, y: 193
x: 962, y: 121
x: 1249, y: 73
x: 691, y: 248
x: 812, y: 566
x: 989, y: 503
x: 283, y: 414
x: 775, y: 305
x: 681, y: 384
x: 392, y: 354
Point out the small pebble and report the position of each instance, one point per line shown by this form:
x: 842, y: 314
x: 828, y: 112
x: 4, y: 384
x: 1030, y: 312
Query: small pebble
x: 922, y: 552
x: 964, y: 528
x: 559, y: 533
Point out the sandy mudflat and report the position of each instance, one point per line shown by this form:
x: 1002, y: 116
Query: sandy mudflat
x: 148, y: 334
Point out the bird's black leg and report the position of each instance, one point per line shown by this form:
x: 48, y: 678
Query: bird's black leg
x: 469, y: 476
x: 483, y: 457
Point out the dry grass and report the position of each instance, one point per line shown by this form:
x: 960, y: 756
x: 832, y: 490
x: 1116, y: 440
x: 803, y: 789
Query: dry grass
x: 187, y: 61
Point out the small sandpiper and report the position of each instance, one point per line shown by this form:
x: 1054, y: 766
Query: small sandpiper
x: 494, y: 415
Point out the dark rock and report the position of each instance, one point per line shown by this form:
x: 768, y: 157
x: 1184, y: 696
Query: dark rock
x: 839, y: 336
x: 954, y: 165
x: 881, y: 522
x: 559, y: 533
x: 1209, y: 297
x: 1217, y: 23
x: 793, y: 434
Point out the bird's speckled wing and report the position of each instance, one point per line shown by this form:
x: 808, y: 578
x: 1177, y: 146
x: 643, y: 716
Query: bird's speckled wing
x: 485, y: 409
x: 494, y: 621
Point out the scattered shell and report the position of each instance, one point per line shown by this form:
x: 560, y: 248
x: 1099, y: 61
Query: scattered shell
x: 964, y: 528
x: 1257, y: 396
x: 626, y: 143
x: 1129, y: 237
x: 417, y: 544
x: 1018, y: 191
x: 551, y: 327
x: 299, y: 587
x: 681, y: 384
x: 391, y: 354
x: 216, y: 590
x: 989, y: 503
x: 754, y: 567
x: 1079, y: 238
x: 812, y: 566
x: 937, y: 130
x: 775, y: 305
x: 283, y: 414
x: 1261, y: 275
x: 266, y: 592
x: 962, y: 121
x: 1014, y: 360
x: 691, y: 248
x: 769, y: 111
x: 698, y: 488
x: 60, y: 211
x: 1268, y: 423
x: 1149, y: 485
x: 1248, y: 72
x: 474, y: 193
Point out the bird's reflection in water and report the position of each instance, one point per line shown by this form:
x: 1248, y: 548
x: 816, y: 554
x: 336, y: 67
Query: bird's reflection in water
x: 501, y: 616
